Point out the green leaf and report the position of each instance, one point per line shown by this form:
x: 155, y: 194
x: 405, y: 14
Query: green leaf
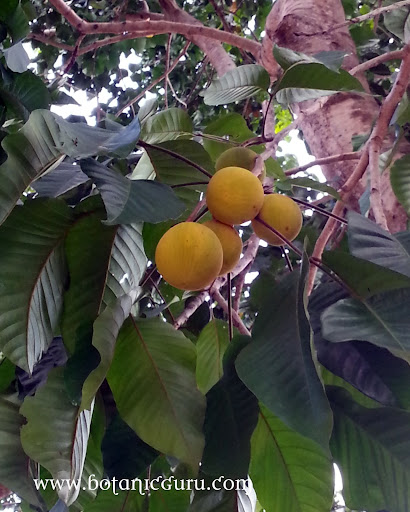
x: 60, y: 180
x: 305, y: 182
x: 104, y: 264
x: 40, y: 146
x: 125, y: 454
x: 172, y: 500
x: 129, y: 201
x: 56, y: 433
x: 105, y: 332
x: 303, y: 82
x: 170, y: 124
x: 175, y: 172
x: 303, y: 474
x: 15, y: 470
x: 381, y: 319
x: 152, y: 378
x: 231, y: 417
x: 123, y: 501
x: 400, y: 181
x: 16, y: 21
x: 16, y: 58
x: 211, y: 346
x: 23, y: 92
x: 370, y: 242
x: 364, y: 277
x: 278, y: 366
x: 231, y: 127
x: 32, y: 238
x: 398, y: 23
x: 286, y: 58
x: 372, y: 449
x: 237, y: 84
x: 7, y: 373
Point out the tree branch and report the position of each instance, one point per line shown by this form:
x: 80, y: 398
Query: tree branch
x: 372, y: 63
x: 375, y: 184
x: 148, y: 27
x: 248, y: 257
x: 325, y: 160
x: 372, y: 147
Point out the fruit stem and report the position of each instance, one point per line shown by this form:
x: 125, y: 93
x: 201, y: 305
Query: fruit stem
x: 190, y: 184
x: 313, y: 261
x: 230, y: 326
x: 320, y: 209
x: 146, y: 145
x: 287, y: 259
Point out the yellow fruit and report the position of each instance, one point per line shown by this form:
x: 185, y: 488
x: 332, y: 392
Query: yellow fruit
x: 189, y: 256
x: 239, y: 157
x: 231, y: 244
x: 234, y: 195
x: 283, y: 214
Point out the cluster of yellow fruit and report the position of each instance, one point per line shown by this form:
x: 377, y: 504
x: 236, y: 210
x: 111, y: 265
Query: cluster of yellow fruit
x: 190, y: 255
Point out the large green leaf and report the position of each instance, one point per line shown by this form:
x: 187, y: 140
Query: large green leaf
x: 398, y: 23
x: 372, y: 370
x: 306, y: 182
x: 122, y: 501
x: 290, y: 473
x: 232, y: 127
x: 23, y: 92
x: 168, y: 500
x: 175, y: 172
x: 104, y: 263
x: 211, y: 346
x: 152, y: 378
x: 237, y: 84
x: 306, y: 81
x: 370, y: 242
x: 400, y: 181
x: 364, y: 277
x: 105, y: 332
x: 231, y: 417
x: 41, y: 145
x: 56, y: 433
x: 286, y: 58
x: 130, y: 201
x: 278, y: 366
x: 169, y: 124
x: 125, y: 454
x: 382, y: 319
x: 32, y: 279
x: 372, y: 449
x: 15, y: 470
x: 7, y: 373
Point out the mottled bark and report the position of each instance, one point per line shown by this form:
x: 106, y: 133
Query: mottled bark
x: 328, y: 124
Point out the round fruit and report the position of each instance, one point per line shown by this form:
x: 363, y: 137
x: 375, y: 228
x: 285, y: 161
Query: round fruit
x: 239, y: 157
x: 189, y: 256
x: 283, y: 214
x: 231, y: 244
x: 234, y: 195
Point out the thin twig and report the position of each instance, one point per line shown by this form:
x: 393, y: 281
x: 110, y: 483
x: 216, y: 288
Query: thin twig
x: 240, y: 281
x: 189, y: 184
x: 167, y: 69
x: 175, y: 155
x: 195, y: 211
x: 325, y: 160
x: 216, y: 294
x: 155, y: 82
x: 371, y: 14
x: 320, y: 210
x: 163, y: 299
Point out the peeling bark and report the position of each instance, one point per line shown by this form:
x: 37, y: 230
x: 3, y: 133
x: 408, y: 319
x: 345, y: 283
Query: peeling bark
x: 328, y: 124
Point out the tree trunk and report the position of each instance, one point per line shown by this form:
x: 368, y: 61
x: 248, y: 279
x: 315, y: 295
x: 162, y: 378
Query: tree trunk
x: 328, y: 124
